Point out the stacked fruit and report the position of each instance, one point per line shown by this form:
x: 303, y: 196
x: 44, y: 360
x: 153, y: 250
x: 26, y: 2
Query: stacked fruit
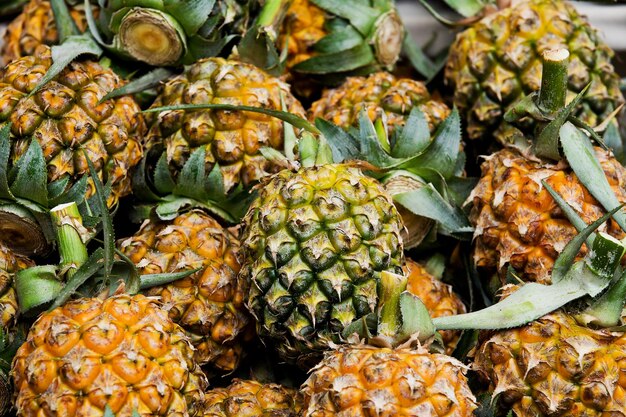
x: 264, y: 197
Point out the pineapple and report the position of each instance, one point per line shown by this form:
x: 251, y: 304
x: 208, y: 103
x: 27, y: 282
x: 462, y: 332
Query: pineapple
x: 378, y: 94
x: 10, y: 263
x: 65, y: 116
x: 208, y: 305
x: 554, y: 366
x: 314, y: 245
x: 123, y: 353
x: 231, y: 140
x: 34, y: 26
x: 371, y: 381
x: 498, y: 60
x: 518, y: 223
x: 247, y: 398
x: 439, y: 298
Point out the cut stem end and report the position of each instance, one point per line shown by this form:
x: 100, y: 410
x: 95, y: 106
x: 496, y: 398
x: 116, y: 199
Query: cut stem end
x: 553, y: 93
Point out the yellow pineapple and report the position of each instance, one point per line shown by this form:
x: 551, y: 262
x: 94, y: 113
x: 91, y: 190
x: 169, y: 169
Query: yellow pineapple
x: 378, y: 94
x: 123, y: 353
x: 247, y: 398
x: 209, y: 304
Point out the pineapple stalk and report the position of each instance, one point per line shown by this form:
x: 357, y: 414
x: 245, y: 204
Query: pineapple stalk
x: 553, y: 91
x: 151, y: 36
x: 21, y: 231
x: 70, y: 232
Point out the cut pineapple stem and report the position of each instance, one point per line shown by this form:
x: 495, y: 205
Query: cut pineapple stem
x: 21, y: 232
x: 391, y: 286
x: 151, y: 36
x: 553, y: 91
x: 68, y: 225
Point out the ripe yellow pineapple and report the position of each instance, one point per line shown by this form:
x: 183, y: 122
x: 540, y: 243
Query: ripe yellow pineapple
x: 302, y: 28
x: 208, y: 305
x: 378, y: 94
x: 35, y: 26
x: 370, y: 381
x: 66, y: 118
x: 123, y: 353
x: 518, y: 223
x: 498, y: 60
x: 231, y: 139
x: 439, y: 298
x: 247, y: 398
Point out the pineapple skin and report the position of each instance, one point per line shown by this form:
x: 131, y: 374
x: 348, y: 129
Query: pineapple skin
x: 64, y: 116
x: 439, y: 298
x: 498, y: 60
x: 355, y: 381
x: 35, y: 26
x: 314, y: 244
x: 232, y: 139
x: 123, y: 352
x: 209, y: 304
x: 556, y: 367
x: 378, y: 94
x: 518, y: 223
x: 247, y: 398
x: 10, y: 264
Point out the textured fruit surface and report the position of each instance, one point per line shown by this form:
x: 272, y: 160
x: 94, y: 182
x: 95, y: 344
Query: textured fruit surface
x: 123, y: 352
x: 438, y: 297
x: 33, y: 27
x: 555, y: 367
x: 209, y: 304
x: 314, y: 244
x: 367, y: 381
x: 67, y: 120
x: 244, y: 398
x: 518, y: 223
x: 498, y: 60
x: 302, y: 28
x: 231, y: 139
x: 10, y: 263
x: 378, y: 94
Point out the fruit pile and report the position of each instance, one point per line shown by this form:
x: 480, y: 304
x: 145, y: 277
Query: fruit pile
x: 287, y: 208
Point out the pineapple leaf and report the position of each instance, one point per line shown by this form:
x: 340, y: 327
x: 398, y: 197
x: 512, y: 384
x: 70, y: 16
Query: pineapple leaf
x: 199, y: 47
x: 36, y: 287
x: 414, y: 137
x: 415, y: 319
x: 132, y: 280
x: 56, y: 188
x: 63, y: 20
x: 75, y: 194
x: 5, y: 152
x: 138, y: 85
x: 427, y: 202
x: 346, y: 60
x: 339, y: 40
x: 258, y: 48
x: 581, y: 157
x: 215, y: 184
x: 106, y: 221
x: 443, y: 151
x: 466, y: 8
x: 108, y: 412
x: 141, y: 187
x: 371, y: 148
x: 192, y: 179
x: 32, y: 176
x: 422, y: 63
x: 565, y: 260
x: 171, y: 206
x: 361, y: 17
x: 163, y: 180
x: 63, y: 54
x: 613, y: 141
x: 570, y: 213
x: 343, y: 145
x: 190, y: 14
x: 153, y: 280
